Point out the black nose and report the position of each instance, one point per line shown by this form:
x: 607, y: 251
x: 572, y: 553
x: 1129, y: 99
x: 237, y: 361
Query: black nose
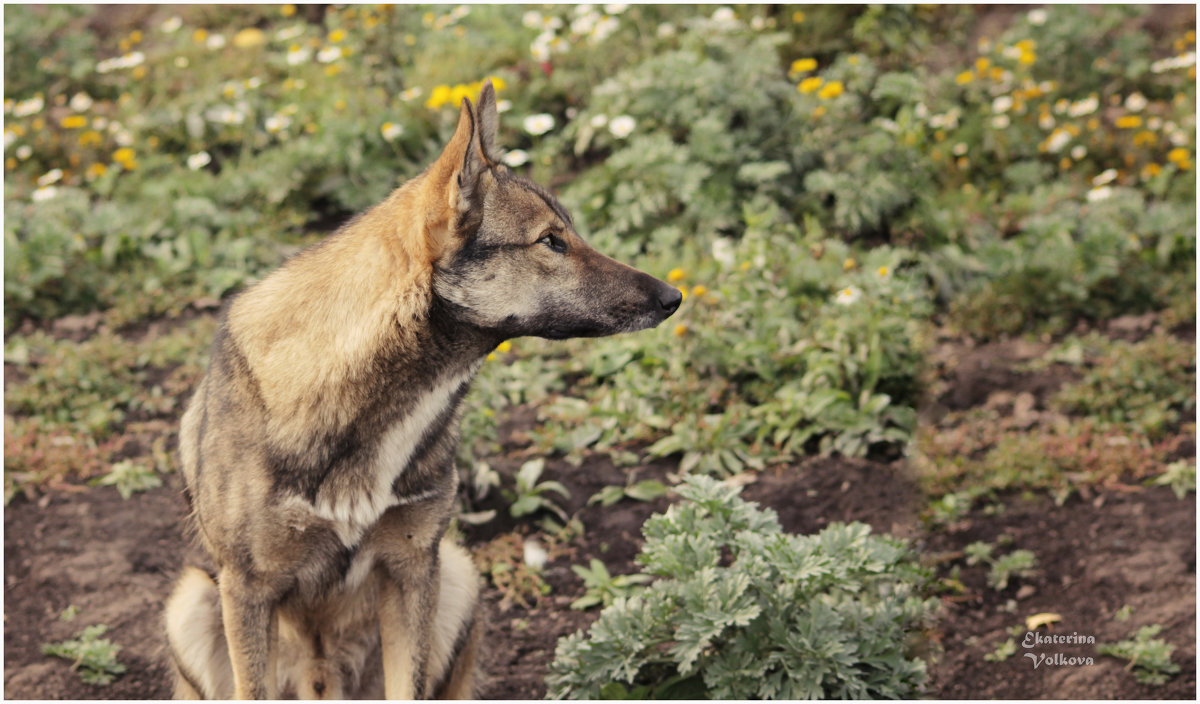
x: 670, y: 299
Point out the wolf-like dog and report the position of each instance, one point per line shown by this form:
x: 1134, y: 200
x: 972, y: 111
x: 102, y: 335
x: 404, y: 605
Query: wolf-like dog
x: 317, y: 451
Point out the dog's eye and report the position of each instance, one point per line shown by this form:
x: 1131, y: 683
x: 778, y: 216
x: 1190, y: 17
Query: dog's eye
x: 554, y: 242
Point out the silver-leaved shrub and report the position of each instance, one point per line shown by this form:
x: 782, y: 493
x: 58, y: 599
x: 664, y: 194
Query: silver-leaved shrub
x: 742, y: 610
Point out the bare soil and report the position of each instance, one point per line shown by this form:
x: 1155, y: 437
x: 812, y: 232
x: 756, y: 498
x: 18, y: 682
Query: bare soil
x: 115, y: 559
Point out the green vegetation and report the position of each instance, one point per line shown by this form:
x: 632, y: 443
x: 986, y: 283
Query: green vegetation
x: 742, y: 610
x: 94, y: 657
x: 1149, y: 657
x: 1002, y: 569
x: 835, y: 189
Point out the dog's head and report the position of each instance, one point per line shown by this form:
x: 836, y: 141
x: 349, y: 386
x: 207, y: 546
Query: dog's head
x: 508, y: 258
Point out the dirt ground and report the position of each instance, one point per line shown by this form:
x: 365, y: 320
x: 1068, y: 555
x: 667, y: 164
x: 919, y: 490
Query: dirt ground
x: 115, y: 559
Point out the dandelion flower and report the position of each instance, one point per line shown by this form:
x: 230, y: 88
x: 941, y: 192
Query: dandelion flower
x: 676, y: 275
x: 391, y: 131
x: 622, y: 126
x: 337, y: 35
x: 199, y: 160
x: 287, y: 10
x: 847, y: 296
x: 808, y: 85
x: 830, y: 90
x: 539, y: 124
x: 798, y: 17
x: 1178, y: 155
x: 73, y: 122
x: 699, y: 290
x: 681, y: 330
x: 516, y: 157
x: 964, y: 78
x: 883, y: 272
x: 804, y: 65
x: 249, y: 38
x: 849, y: 264
x: 1128, y: 122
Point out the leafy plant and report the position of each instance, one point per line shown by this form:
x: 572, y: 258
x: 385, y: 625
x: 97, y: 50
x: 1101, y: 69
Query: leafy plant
x: 603, y: 588
x: 528, y: 495
x: 743, y: 610
x: 1180, y: 476
x: 94, y: 657
x: 645, y: 490
x: 1149, y: 657
x: 128, y: 477
x: 1001, y: 570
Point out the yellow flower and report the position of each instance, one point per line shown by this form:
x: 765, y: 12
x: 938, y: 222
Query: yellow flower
x: 819, y: 111
x: 73, y: 122
x: 744, y: 266
x: 1178, y: 155
x: 962, y: 162
x: 830, y: 90
x: 491, y: 356
x: 683, y: 293
x: 10, y: 163
x: 681, y: 330
x: 1026, y: 58
x: 699, y: 290
x: 1026, y: 45
x: 249, y: 37
x: 138, y: 73
x: 798, y: 16
x: 200, y: 36
x: 410, y: 40
x: 803, y: 65
x: 96, y: 171
x: 809, y: 85
x: 676, y: 275
x: 337, y: 35
x: 996, y: 74
x: 135, y: 36
x: 498, y: 83
x: 1150, y: 170
x: 287, y: 10
x: 849, y: 264
x: 123, y: 155
x: 964, y: 78
x: 503, y: 347
x: 333, y: 69
x: 1065, y: 163
x: 982, y: 64
x: 1128, y: 122
x: 883, y: 271
x: 440, y: 96
x: 371, y: 21
x: 89, y: 138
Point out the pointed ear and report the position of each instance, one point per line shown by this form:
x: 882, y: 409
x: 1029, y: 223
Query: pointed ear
x: 487, y: 119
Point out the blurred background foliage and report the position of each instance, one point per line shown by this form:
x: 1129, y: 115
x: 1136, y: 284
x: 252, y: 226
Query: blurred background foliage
x: 819, y: 181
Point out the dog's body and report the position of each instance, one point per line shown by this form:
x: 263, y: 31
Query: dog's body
x: 318, y: 449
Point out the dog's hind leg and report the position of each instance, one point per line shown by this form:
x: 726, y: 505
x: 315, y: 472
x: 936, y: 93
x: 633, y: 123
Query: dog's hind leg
x: 196, y: 639
x: 458, y: 626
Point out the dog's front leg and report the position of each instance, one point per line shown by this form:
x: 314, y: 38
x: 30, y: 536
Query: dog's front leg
x: 252, y: 631
x: 408, y: 601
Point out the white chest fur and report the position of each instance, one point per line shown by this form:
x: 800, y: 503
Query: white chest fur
x: 352, y: 513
